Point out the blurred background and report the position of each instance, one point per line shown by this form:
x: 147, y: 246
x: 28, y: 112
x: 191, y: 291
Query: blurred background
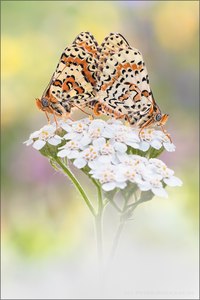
x: 48, y: 242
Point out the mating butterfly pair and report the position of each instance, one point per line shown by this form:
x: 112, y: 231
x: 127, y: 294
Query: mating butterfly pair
x: 111, y: 79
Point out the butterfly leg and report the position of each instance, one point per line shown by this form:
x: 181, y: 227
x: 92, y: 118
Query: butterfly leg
x: 55, y: 119
x: 146, y: 124
x: 90, y: 116
x: 48, y: 119
x: 166, y: 133
x: 97, y: 109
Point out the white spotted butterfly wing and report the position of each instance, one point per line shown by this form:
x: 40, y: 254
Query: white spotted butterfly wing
x: 73, y: 83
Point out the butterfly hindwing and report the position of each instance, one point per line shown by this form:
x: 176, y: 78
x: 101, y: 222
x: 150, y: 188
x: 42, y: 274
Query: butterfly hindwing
x: 123, y: 84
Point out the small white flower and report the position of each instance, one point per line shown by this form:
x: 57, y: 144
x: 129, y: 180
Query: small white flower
x: 75, y: 130
x: 39, y: 138
x: 94, y: 132
x: 149, y: 138
x: 164, y: 139
x: 173, y: 181
x: 86, y: 157
x: 69, y: 150
x: 167, y: 174
x: 129, y: 173
x: 154, y: 184
x: 107, y: 176
x: 155, y: 139
x: 160, y: 168
x: 135, y: 161
x: 121, y: 136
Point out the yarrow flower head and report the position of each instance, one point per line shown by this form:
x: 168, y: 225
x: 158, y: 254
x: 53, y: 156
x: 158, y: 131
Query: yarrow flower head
x: 114, y: 154
x: 39, y: 138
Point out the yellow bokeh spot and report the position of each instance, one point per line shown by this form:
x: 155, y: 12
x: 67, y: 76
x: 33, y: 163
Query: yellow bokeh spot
x: 11, y: 56
x: 176, y: 24
x: 98, y: 17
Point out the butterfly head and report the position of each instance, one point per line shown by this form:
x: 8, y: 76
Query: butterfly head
x: 42, y: 104
x: 158, y: 118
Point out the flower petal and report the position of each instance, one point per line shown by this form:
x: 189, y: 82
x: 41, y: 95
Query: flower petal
x: 109, y: 186
x: 144, y: 186
x: 133, y: 145
x: 39, y: 144
x: 63, y: 153
x: 73, y: 154
x: 108, y: 132
x: 100, y: 142
x: 85, y: 140
x: 120, y: 147
x: 54, y: 141
x: 173, y: 181
x: 80, y: 163
x: 35, y: 134
x: 170, y: 147
x: 121, y: 185
x: 28, y: 142
x: 160, y: 192
x: 144, y: 146
x: 156, y: 144
x: 72, y: 136
x: 66, y: 127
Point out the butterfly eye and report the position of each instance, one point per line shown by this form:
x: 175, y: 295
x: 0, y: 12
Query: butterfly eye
x: 45, y: 102
x: 158, y: 117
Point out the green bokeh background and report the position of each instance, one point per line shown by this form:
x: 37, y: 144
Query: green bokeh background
x: 43, y: 216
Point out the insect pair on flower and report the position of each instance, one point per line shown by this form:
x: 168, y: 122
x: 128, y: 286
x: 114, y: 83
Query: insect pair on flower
x: 110, y: 79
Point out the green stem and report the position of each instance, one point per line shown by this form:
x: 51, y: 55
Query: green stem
x: 98, y: 225
x: 115, y: 206
x: 99, y: 238
x: 76, y: 183
x: 98, y: 215
x: 98, y: 222
x: 116, y: 239
x: 119, y: 230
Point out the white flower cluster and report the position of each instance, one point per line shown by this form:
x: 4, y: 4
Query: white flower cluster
x: 104, y: 147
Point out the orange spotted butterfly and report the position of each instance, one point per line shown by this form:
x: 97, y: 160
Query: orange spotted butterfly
x: 111, y: 79
x: 74, y: 81
x: 122, y: 88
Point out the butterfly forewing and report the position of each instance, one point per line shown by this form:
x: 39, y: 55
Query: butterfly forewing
x: 74, y: 80
x: 87, y: 41
x: 110, y: 45
x: 74, y: 76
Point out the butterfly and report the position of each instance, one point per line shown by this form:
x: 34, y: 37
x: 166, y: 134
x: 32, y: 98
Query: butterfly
x: 122, y: 88
x: 111, y: 79
x: 74, y: 80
